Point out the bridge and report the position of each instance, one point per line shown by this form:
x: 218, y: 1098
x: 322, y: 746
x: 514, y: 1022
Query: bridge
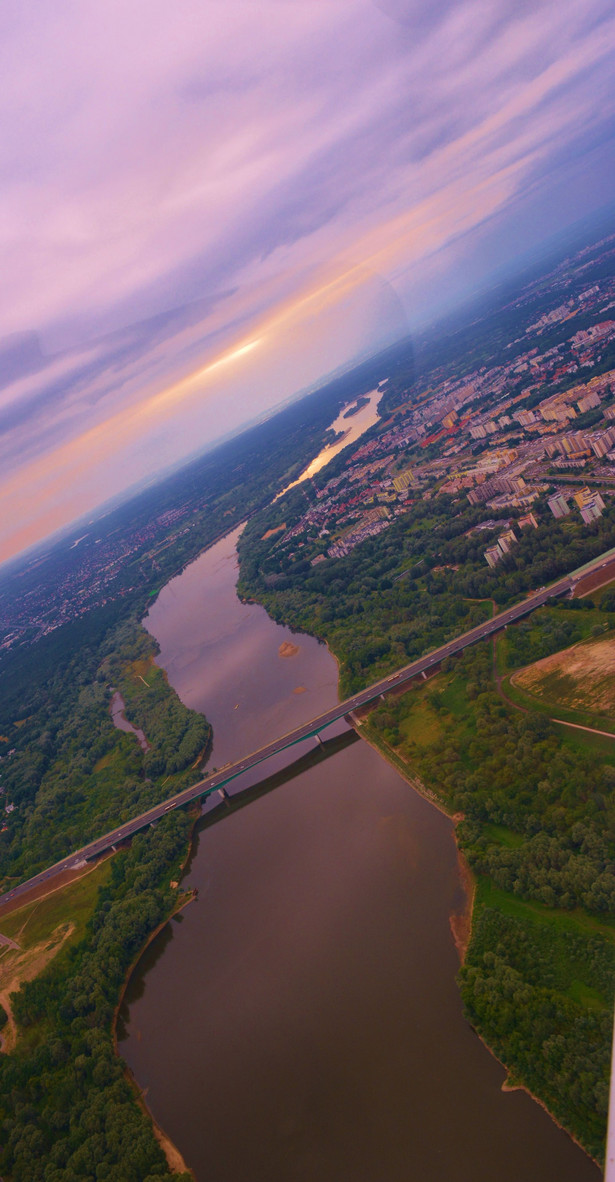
x: 217, y: 781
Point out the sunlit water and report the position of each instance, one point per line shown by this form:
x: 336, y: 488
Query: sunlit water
x: 352, y: 428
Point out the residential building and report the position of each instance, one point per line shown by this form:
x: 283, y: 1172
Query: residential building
x: 558, y: 505
x: 528, y: 519
x: 583, y: 496
x: 493, y: 555
x: 589, y: 402
x: 592, y: 509
x: 601, y: 441
x: 507, y: 540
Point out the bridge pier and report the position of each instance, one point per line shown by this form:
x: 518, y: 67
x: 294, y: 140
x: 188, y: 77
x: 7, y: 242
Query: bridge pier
x: 424, y: 675
x: 319, y: 740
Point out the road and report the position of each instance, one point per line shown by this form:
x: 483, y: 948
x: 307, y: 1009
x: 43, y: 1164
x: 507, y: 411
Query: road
x: 308, y: 730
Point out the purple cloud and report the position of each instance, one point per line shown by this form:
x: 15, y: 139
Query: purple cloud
x: 174, y: 177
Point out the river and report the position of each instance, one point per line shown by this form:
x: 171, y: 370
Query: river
x: 301, y: 1022
x: 348, y: 428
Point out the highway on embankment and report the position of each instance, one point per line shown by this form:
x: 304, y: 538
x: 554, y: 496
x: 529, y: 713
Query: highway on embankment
x: 222, y: 776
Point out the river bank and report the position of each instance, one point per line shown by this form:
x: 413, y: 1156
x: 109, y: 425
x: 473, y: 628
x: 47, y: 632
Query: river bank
x: 327, y: 942
x: 461, y: 922
x: 175, y: 1160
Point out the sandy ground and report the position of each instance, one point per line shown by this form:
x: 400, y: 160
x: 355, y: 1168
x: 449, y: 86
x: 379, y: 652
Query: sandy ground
x: 272, y: 532
x: 174, y: 1158
x: 287, y: 649
x: 19, y: 965
x: 461, y: 924
x: 581, y: 677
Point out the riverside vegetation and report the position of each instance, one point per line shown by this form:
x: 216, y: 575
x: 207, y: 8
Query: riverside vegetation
x: 538, y: 804
x: 67, y: 775
x: 66, y: 1110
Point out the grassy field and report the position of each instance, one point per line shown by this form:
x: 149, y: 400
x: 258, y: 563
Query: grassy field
x: 70, y: 904
x: 44, y: 930
x: 572, y: 681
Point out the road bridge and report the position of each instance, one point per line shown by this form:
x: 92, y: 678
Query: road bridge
x: 223, y: 776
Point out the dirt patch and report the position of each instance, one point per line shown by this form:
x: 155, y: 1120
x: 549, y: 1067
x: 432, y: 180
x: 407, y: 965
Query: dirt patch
x: 20, y: 965
x: 299, y: 689
x: 287, y: 649
x: 272, y: 532
x: 461, y: 922
x: 581, y: 678
x: 597, y: 578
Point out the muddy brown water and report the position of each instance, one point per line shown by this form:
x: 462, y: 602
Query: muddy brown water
x: 301, y: 1022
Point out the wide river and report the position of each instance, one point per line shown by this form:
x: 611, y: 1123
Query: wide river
x: 301, y: 1022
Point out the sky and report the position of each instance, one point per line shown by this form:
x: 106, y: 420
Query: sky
x: 208, y: 205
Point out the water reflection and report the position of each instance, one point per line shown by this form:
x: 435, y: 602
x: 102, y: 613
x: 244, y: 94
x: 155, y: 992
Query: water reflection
x: 349, y: 429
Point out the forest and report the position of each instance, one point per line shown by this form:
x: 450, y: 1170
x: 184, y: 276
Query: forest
x: 71, y: 774
x: 536, y: 822
x: 67, y: 1112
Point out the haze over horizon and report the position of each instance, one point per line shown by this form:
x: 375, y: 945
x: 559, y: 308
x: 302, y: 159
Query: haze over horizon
x: 207, y: 208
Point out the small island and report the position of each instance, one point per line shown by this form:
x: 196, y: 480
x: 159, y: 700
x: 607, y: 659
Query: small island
x: 356, y: 406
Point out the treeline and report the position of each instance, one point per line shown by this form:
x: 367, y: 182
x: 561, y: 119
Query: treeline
x: 177, y: 736
x: 67, y: 1112
x: 515, y: 985
x: 70, y: 774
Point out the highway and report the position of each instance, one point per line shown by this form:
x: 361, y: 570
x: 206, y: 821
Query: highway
x: 308, y: 730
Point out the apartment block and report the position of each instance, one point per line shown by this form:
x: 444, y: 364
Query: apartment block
x: 584, y: 496
x: 601, y: 441
x: 558, y: 505
x: 589, y: 402
x: 507, y: 540
x: 591, y: 510
x: 527, y: 520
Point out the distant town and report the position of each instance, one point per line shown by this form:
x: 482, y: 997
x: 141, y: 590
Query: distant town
x: 539, y: 423
x: 535, y: 419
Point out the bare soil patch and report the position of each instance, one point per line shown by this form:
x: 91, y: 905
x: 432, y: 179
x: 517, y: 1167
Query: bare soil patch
x: 287, y: 649
x: 597, y: 578
x: 272, y: 532
x: 581, y: 678
x: 19, y: 965
x: 461, y: 922
x: 42, y: 889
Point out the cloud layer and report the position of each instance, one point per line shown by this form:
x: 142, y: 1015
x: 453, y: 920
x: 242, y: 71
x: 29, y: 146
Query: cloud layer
x: 178, y: 180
